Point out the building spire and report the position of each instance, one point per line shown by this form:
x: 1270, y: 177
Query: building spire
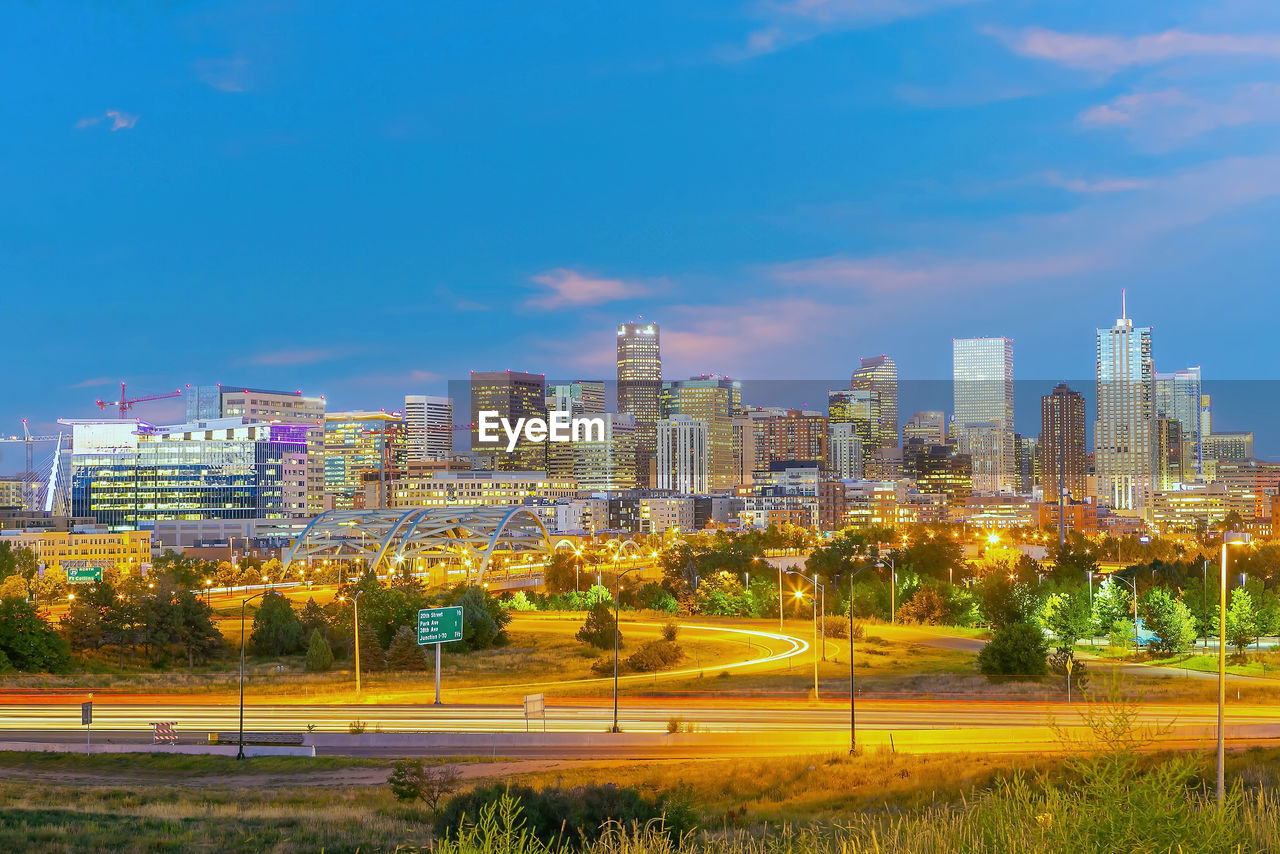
x: 1124, y: 307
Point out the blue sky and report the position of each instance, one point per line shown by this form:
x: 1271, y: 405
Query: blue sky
x: 364, y: 200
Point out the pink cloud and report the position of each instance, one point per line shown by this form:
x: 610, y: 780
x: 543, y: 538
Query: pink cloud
x: 119, y: 120
x: 1110, y: 53
x: 1168, y: 116
x: 569, y: 288
x: 791, y: 22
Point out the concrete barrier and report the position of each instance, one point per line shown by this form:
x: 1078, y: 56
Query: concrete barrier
x: 208, y: 749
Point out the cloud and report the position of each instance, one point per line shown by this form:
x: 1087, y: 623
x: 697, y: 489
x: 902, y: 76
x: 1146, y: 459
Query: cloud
x: 1169, y: 116
x: 297, y: 356
x: 790, y: 22
x: 1111, y: 53
x: 922, y: 274
x: 119, y: 120
x: 568, y: 288
x: 1096, y: 185
x: 95, y: 382
x: 226, y: 74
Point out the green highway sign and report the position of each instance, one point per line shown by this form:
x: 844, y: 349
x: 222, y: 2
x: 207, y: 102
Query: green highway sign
x: 440, y: 625
x: 84, y: 575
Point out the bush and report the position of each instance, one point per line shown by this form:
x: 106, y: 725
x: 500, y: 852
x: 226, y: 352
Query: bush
x: 670, y: 631
x: 484, y: 620
x: 655, y: 655
x: 927, y: 607
x: 405, y: 654
x: 319, y: 655
x: 563, y: 817
x: 28, y: 643
x: 1018, y: 649
x: 411, y: 780
x: 276, y: 628
x: 600, y: 627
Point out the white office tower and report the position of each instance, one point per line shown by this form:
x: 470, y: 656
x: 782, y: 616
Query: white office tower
x: 428, y: 424
x: 683, y: 455
x: 1123, y: 450
x: 982, y: 370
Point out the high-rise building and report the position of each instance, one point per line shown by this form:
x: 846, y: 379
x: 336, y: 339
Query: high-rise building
x: 714, y: 400
x: 512, y: 395
x: 746, y: 459
x: 937, y: 470
x: 1123, y: 449
x: 796, y: 435
x: 640, y: 387
x: 982, y: 373
x: 428, y: 426
x: 358, y: 443
x: 1026, y: 463
x: 684, y: 454
x: 880, y: 374
x: 861, y: 408
x: 129, y: 474
x: 289, y: 407
x: 1062, y: 443
x: 1168, y: 446
x: 607, y: 464
x: 930, y: 427
x: 844, y: 451
x: 1178, y: 398
x: 580, y: 397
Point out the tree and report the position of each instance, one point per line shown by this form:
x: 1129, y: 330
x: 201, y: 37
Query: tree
x: 1005, y: 602
x: 193, y: 630
x: 1242, y: 624
x: 484, y: 620
x: 405, y: 653
x: 1067, y: 616
x: 1111, y: 603
x: 1017, y: 649
x: 412, y: 780
x: 319, y: 655
x: 28, y: 643
x: 927, y: 606
x: 373, y: 658
x: 1169, y: 620
x: 314, y: 619
x: 600, y: 627
x: 276, y: 628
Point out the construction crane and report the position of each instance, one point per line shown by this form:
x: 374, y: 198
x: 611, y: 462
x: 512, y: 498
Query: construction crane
x: 124, y: 404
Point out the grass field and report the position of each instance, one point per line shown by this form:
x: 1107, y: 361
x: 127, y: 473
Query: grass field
x: 803, y: 803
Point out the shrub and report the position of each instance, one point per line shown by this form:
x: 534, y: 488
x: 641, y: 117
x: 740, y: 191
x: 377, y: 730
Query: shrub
x: 560, y: 817
x: 319, y: 655
x: 357, y: 727
x: 1018, y: 649
x: 484, y: 620
x: 600, y: 627
x: 411, y: 780
x: 654, y: 655
x: 670, y: 631
x: 927, y: 606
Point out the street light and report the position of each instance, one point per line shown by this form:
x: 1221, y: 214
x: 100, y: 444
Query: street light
x: 243, y: 603
x: 355, y: 620
x: 817, y: 586
x: 893, y: 584
x: 617, y: 597
x: 853, y: 715
x: 1227, y: 540
x: 1134, y: 585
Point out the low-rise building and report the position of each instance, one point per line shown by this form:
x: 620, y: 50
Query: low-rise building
x: 126, y: 551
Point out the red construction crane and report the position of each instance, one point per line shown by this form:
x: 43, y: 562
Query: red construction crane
x: 126, y: 403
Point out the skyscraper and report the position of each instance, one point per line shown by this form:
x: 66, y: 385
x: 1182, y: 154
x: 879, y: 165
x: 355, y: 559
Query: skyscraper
x: 930, y: 427
x: 982, y: 371
x: 580, y: 397
x: 512, y: 395
x: 714, y: 400
x: 640, y: 387
x: 1062, y: 443
x: 1178, y: 399
x: 428, y: 423
x: 861, y: 408
x: 292, y: 407
x: 1123, y: 449
x: 880, y: 374
x: 356, y: 444
x: 683, y: 455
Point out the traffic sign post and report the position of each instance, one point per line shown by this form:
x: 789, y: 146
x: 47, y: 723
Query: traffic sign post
x: 439, y: 626
x: 86, y: 718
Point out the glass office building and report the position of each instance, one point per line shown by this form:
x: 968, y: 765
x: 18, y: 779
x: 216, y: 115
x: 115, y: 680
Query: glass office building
x: 130, y: 474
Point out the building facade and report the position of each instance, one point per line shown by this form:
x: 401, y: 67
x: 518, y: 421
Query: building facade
x: 357, y: 443
x: 428, y: 427
x: 684, y: 455
x: 639, y: 360
x: 1124, y: 454
x: 982, y: 376
x: 513, y: 395
x: 1063, y: 446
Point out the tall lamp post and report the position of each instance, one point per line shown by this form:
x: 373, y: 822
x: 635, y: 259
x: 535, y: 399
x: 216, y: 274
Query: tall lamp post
x: 1227, y: 540
x: 355, y: 621
x: 817, y: 589
x: 243, y: 603
x: 893, y: 584
x: 617, y: 596
x: 853, y: 715
x: 1134, y: 584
